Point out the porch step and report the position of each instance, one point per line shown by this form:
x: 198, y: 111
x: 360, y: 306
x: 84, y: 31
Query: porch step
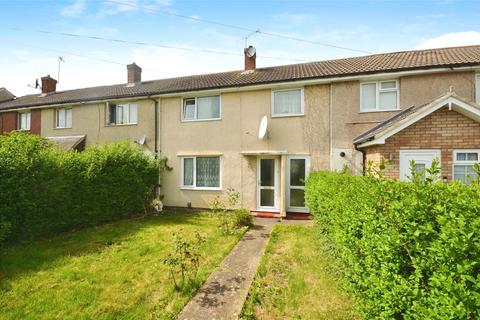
x: 265, y: 214
x: 299, y: 216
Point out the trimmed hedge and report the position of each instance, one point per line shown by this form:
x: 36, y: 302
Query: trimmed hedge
x: 45, y: 190
x: 411, y: 250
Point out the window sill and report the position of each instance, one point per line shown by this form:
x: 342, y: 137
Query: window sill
x: 201, y: 120
x: 200, y: 189
x: 288, y: 115
x: 62, y: 128
x: 23, y: 130
x: 121, y: 125
x: 374, y: 111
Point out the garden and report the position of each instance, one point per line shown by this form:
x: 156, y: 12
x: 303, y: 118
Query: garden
x: 409, y: 250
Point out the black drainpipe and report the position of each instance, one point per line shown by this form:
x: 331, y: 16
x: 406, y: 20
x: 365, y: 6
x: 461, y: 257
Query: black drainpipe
x: 364, y: 158
x: 155, y: 101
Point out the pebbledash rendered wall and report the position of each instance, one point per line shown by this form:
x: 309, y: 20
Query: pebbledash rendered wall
x: 444, y: 129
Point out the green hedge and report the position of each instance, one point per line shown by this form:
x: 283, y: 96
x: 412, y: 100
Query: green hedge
x: 412, y: 250
x: 45, y: 190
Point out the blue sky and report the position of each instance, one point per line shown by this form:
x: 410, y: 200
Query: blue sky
x: 373, y: 26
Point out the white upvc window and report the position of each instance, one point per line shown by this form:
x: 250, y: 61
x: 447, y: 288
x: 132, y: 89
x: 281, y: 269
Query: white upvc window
x: 379, y: 96
x: 477, y: 88
x: 124, y: 113
x: 287, y: 103
x: 24, y: 120
x: 201, y: 108
x: 202, y: 173
x: 63, y: 118
x: 463, y: 161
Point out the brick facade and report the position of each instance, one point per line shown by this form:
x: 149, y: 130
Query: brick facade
x: 9, y: 121
x: 444, y: 129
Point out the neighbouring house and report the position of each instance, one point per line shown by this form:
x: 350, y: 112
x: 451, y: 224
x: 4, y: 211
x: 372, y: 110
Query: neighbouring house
x: 326, y: 115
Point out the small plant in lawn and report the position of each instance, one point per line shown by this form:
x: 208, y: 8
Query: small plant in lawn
x: 237, y: 221
x: 184, y: 260
x: 232, y: 196
x: 217, y: 205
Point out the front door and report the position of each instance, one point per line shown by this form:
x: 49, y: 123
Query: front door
x: 267, y: 184
x: 298, y: 168
x: 423, y: 160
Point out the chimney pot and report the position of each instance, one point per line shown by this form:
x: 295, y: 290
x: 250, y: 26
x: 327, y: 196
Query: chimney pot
x: 49, y: 84
x: 250, y: 59
x: 134, y: 73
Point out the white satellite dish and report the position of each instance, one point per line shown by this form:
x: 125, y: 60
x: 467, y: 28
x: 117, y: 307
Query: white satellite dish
x: 262, y: 129
x: 251, y: 51
x: 141, y: 141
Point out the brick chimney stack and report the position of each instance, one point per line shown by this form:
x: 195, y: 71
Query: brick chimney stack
x: 250, y: 58
x: 134, y: 73
x: 49, y: 84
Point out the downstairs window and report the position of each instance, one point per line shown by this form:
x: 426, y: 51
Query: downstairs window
x: 201, y: 172
x: 463, y: 161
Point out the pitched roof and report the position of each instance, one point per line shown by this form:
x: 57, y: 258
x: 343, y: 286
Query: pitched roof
x: 387, y: 62
x: 386, y: 129
x: 5, y: 95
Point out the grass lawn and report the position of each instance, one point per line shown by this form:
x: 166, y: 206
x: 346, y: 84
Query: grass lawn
x: 296, y: 279
x: 113, y: 271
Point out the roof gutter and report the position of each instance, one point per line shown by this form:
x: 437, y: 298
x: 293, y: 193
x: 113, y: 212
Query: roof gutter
x: 270, y: 85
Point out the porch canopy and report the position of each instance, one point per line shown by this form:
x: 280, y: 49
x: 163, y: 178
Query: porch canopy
x: 70, y: 142
x: 378, y: 134
x: 263, y: 152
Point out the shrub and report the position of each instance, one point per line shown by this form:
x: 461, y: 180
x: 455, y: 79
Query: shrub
x: 217, y: 205
x: 46, y: 190
x: 236, y: 221
x: 412, y: 250
x: 184, y: 260
x: 242, y: 218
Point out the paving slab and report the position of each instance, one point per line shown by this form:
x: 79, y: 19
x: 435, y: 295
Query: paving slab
x: 224, y: 293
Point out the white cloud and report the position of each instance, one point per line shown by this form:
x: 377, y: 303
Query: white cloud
x: 75, y: 9
x: 453, y: 39
x: 113, y: 7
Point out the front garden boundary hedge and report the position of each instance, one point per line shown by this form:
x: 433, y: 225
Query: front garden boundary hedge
x: 46, y: 190
x: 411, y: 249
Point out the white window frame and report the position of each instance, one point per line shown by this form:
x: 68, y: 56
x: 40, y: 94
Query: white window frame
x: 307, y: 172
x: 28, y: 120
x: 275, y: 188
x: 378, y: 90
x: 477, y: 88
x: 107, y: 118
x: 464, y: 162
x: 66, y: 125
x: 302, y: 103
x: 182, y: 119
x: 194, y: 186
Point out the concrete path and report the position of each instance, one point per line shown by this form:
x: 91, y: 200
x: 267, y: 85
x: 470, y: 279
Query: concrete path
x: 223, y: 294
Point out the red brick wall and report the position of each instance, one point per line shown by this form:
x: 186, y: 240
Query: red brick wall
x: 445, y: 130
x: 36, y: 121
x: 8, y: 122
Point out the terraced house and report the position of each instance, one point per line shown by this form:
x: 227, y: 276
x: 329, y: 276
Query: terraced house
x: 326, y: 115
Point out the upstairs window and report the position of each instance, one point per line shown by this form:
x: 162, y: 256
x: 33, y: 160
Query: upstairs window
x: 287, y: 103
x: 463, y: 161
x: 23, y: 120
x: 477, y: 88
x: 122, y: 113
x: 379, y: 96
x: 201, y: 172
x: 201, y: 108
x: 64, y: 118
